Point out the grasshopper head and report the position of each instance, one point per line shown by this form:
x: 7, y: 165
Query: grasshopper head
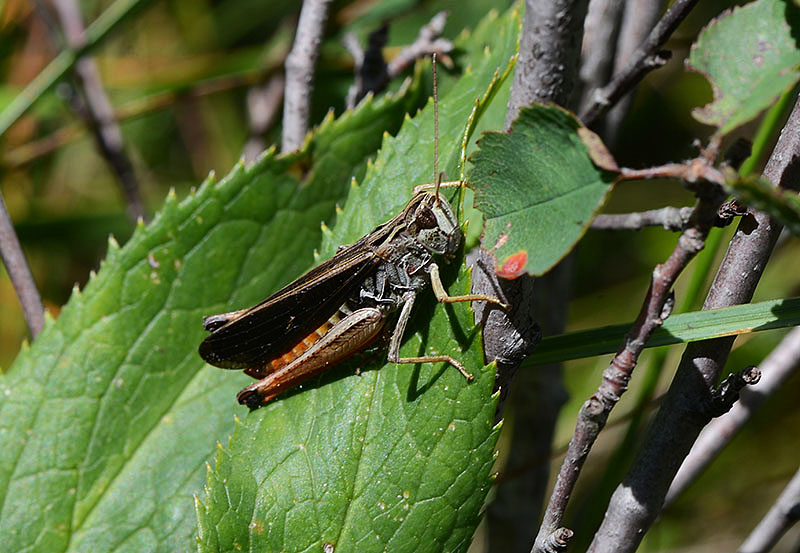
x: 433, y: 224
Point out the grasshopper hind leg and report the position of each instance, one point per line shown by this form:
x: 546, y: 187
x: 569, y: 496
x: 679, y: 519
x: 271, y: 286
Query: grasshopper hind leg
x: 347, y: 337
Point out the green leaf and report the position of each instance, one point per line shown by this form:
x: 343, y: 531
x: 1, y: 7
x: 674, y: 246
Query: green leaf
x: 757, y: 192
x: 684, y: 327
x: 537, y: 188
x: 395, y: 457
x: 750, y: 56
x: 106, y: 423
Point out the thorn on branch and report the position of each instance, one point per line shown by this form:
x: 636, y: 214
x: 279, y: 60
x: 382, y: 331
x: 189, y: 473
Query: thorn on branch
x: 725, y: 395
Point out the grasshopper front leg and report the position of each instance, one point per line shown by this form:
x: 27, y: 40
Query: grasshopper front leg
x: 443, y: 297
x: 397, y: 338
x: 405, y: 315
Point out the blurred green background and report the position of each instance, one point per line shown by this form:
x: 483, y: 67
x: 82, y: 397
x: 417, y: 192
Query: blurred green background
x: 178, y: 72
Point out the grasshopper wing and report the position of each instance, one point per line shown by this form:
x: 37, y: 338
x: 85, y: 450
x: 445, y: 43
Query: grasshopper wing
x: 277, y: 324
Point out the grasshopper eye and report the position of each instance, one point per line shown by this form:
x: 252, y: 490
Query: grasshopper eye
x: 425, y: 217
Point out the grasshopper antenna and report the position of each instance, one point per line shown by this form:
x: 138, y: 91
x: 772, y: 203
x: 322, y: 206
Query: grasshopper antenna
x: 436, y: 176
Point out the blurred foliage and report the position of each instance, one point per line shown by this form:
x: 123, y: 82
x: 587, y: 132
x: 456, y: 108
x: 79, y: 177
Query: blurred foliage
x: 179, y: 72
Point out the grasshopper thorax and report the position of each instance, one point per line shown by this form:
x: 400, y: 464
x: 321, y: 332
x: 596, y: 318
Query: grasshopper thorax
x: 433, y: 224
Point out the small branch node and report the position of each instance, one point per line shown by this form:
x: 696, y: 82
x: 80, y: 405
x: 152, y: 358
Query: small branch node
x: 593, y: 407
x: 558, y: 540
x: 659, y: 59
x: 728, y: 211
x: 601, y: 99
x: 669, y: 305
x: 725, y: 395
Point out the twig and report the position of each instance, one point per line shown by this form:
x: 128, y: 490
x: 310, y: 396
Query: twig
x: 428, y: 42
x: 99, y: 112
x: 599, y: 45
x: 554, y: 28
x: 373, y: 74
x: 353, y: 47
x: 655, y: 308
x: 638, y: 20
x: 783, y: 514
x: 300, y: 65
x: 263, y: 105
x: 638, y: 500
x: 778, y: 366
x: 670, y: 218
x: 644, y: 60
x: 20, y: 273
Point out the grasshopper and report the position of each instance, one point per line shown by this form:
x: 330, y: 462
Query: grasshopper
x: 340, y: 307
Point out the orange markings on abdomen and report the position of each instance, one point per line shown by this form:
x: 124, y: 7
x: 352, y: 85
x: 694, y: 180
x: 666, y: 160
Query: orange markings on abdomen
x: 302, y: 346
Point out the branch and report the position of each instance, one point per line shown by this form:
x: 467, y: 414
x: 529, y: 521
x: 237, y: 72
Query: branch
x: 599, y: 45
x: 638, y: 500
x: 670, y: 218
x: 428, y: 42
x: 20, y: 273
x: 782, y: 516
x: 263, y: 106
x: 644, y: 60
x: 300, y: 73
x: 554, y: 29
x: 373, y: 73
x: 99, y: 113
x: 655, y: 308
x: 779, y: 365
x: 638, y: 20
x: 549, y: 52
